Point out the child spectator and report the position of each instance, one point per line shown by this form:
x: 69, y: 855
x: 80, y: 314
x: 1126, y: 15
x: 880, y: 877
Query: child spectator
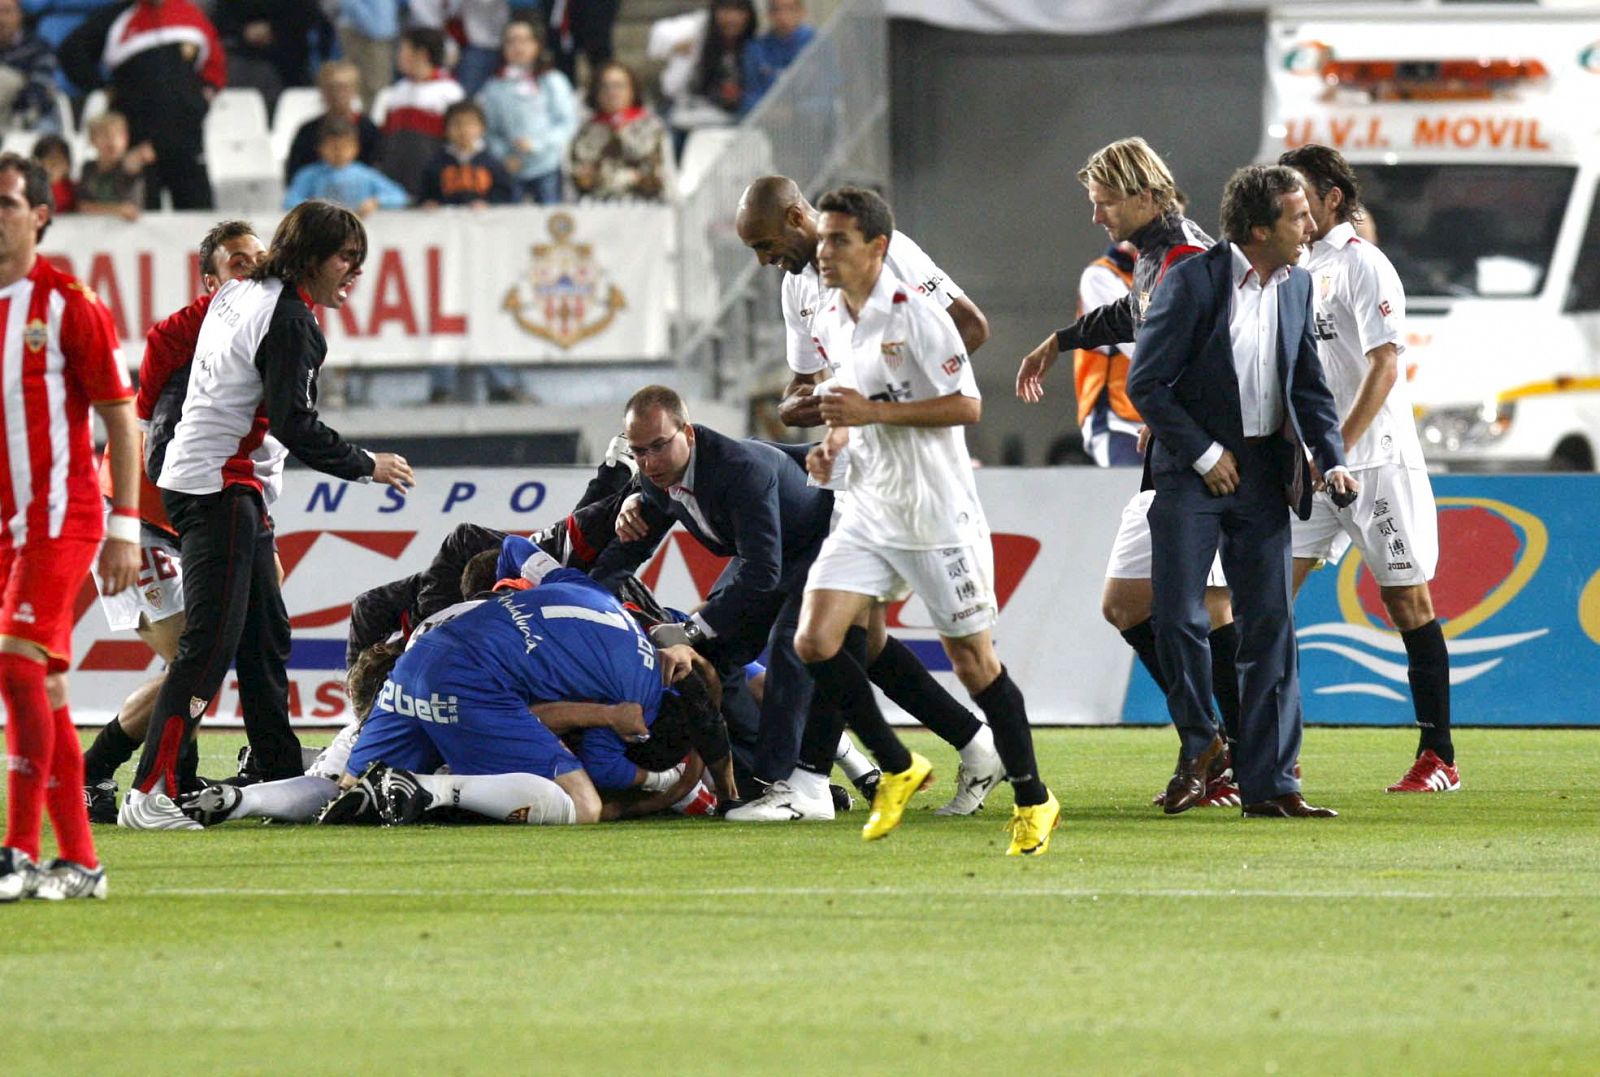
x: 342, y: 179
x: 531, y: 114
x: 767, y: 56
x: 55, y: 155
x: 413, y: 130
x: 339, y: 82
x: 113, y: 183
x: 465, y: 173
x: 619, y: 152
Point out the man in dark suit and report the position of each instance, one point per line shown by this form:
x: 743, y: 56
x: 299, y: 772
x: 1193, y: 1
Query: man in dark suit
x: 747, y: 500
x: 1228, y: 379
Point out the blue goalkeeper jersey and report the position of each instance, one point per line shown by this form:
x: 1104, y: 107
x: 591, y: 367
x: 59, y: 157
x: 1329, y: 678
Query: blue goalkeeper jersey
x: 566, y: 640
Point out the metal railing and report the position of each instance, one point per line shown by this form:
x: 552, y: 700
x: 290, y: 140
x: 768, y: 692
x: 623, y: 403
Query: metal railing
x: 824, y: 122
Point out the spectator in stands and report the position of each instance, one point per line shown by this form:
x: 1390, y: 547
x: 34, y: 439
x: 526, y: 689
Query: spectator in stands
x: 341, y: 179
x: 580, y: 25
x: 620, y: 151
x: 27, y: 76
x: 719, y: 73
x: 339, y: 82
x: 413, y: 129
x: 55, y: 155
x: 767, y: 56
x: 532, y: 114
x: 165, y: 66
x: 465, y: 173
x: 367, y: 31
x: 268, y: 43
x: 482, y: 23
x: 113, y: 183
x: 52, y: 21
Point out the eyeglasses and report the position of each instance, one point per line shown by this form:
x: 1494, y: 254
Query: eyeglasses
x: 656, y: 447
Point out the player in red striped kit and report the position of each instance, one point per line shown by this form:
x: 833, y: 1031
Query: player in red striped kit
x: 59, y: 358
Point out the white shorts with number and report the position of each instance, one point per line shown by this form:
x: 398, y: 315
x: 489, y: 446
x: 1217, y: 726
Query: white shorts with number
x: 158, y: 594
x: 955, y: 583
x: 1130, y: 550
x: 1393, y: 522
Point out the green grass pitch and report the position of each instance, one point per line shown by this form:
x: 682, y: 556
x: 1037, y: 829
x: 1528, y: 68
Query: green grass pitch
x: 1442, y: 933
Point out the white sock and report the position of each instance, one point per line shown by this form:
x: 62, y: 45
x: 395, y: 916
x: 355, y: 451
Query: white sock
x: 289, y: 800
x: 852, y: 760
x: 505, y: 798
x: 809, y: 784
x: 980, y: 749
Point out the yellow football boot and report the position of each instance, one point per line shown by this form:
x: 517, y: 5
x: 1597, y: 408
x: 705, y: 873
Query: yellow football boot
x: 1030, y: 827
x: 894, y: 791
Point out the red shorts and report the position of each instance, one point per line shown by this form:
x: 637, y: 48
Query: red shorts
x: 38, y: 584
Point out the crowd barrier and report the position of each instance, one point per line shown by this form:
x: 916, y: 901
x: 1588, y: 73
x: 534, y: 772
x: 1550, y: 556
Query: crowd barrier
x: 520, y: 284
x: 1518, y: 590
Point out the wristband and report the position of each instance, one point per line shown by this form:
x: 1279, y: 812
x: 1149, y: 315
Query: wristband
x: 123, y: 529
x: 124, y: 510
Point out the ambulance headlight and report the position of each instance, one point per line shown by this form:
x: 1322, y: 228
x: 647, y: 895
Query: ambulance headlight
x: 1456, y: 428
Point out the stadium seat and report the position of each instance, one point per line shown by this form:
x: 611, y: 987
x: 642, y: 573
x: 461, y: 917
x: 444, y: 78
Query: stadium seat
x: 244, y: 175
x: 69, y: 125
x: 380, y: 107
x: 296, y: 105
x: 93, y: 105
x: 700, y: 152
x: 22, y: 142
x: 238, y: 111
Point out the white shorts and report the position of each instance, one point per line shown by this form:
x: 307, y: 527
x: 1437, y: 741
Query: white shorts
x: 336, y: 756
x: 955, y: 583
x: 1130, y: 550
x: 1393, y: 522
x: 158, y: 594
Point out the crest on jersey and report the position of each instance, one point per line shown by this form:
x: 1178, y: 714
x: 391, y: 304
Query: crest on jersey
x: 894, y: 353
x: 1325, y: 286
x: 1144, y: 303
x: 566, y: 296
x: 36, y: 335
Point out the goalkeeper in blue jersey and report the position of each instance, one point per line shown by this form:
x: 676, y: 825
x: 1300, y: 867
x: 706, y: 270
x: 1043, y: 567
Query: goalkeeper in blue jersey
x: 461, y: 696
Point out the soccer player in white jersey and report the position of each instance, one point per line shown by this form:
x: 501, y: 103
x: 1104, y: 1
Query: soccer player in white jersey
x: 1360, y: 311
x: 912, y: 519
x: 777, y: 223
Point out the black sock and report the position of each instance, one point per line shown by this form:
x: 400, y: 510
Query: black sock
x: 1142, y: 638
x: 1013, y: 739
x: 843, y: 684
x: 819, y: 740
x: 907, y: 682
x: 111, y: 748
x: 1225, y: 679
x: 1430, y: 687
x: 189, y: 766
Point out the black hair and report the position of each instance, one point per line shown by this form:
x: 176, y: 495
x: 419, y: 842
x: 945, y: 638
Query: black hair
x: 427, y: 41
x: 1250, y: 199
x: 309, y: 235
x: 1326, y: 169
x: 220, y: 233
x: 35, y: 183
x: 872, y: 214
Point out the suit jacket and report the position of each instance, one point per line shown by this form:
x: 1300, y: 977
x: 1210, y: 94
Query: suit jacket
x: 1184, y: 385
x: 755, y: 497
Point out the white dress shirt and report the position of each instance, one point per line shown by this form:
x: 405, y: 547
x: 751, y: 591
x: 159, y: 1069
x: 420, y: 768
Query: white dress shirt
x: 1253, y: 332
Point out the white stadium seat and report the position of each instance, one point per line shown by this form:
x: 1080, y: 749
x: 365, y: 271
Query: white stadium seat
x: 244, y: 175
x: 296, y: 105
x: 380, y: 106
x: 240, y: 109
x: 20, y: 142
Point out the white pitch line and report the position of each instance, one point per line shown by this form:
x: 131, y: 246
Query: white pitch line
x: 872, y: 891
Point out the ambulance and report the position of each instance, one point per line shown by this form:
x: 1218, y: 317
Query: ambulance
x: 1475, y: 133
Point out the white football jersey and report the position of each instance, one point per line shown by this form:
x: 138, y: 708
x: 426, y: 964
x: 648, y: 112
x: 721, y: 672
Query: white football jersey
x: 910, y: 487
x: 1360, y: 305
x: 803, y: 294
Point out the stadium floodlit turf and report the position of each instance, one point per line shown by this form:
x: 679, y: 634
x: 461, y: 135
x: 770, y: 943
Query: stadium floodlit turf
x: 1414, y: 934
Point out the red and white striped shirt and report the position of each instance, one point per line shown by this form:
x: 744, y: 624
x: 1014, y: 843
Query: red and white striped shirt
x: 60, y: 355
x: 420, y: 106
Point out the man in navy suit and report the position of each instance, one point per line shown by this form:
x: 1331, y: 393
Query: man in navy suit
x: 1228, y: 380
x: 747, y: 500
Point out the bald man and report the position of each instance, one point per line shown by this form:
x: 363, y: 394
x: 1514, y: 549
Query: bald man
x: 776, y: 222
